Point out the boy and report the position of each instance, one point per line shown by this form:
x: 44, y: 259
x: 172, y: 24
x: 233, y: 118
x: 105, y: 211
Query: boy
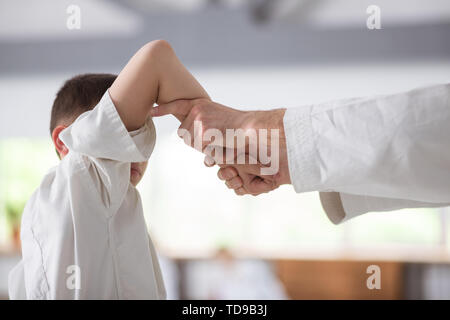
x: 83, y: 230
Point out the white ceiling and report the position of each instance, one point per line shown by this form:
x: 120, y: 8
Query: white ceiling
x: 397, y: 12
x: 345, y: 13
x: 30, y: 20
x: 35, y: 20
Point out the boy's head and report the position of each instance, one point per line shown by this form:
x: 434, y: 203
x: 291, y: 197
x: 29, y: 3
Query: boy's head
x: 78, y: 95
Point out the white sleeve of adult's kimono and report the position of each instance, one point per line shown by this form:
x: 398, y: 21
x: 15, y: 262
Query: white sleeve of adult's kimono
x: 341, y: 207
x: 380, y: 153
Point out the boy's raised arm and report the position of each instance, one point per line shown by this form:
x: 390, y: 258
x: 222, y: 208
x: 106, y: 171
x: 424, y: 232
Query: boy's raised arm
x: 153, y: 75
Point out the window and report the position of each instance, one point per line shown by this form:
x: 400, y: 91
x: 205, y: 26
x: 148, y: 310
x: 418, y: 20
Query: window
x: 23, y: 163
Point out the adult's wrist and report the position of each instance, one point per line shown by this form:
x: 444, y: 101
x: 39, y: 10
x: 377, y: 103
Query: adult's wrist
x: 283, y: 176
x: 267, y: 119
x: 271, y: 119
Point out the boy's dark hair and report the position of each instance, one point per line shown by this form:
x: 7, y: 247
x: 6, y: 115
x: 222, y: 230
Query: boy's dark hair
x: 79, y: 94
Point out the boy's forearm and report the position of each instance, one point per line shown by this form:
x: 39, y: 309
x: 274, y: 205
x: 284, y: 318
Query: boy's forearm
x: 153, y: 75
x: 175, y: 81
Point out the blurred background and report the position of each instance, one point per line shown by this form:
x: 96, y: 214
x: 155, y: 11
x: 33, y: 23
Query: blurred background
x: 248, y: 54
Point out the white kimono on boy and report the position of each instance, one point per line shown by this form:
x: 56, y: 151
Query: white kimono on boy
x: 83, y: 230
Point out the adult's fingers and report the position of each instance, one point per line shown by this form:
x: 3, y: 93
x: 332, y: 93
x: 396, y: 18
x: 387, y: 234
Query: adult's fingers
x: 259, y: 185
x: 227, y: 173
x: 240, y: 191
x: 234, y: 183
x: 179, y: 108
x: 186, y: 130
x: 220, y: 155
x: 209, y: 161
x: 251, y: 169
x: 230, y: 156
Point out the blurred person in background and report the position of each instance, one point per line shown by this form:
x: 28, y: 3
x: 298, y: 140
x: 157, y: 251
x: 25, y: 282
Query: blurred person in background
x: 226, y: 277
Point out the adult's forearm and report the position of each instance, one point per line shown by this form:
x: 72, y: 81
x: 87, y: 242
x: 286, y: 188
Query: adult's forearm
x: 393, y: 146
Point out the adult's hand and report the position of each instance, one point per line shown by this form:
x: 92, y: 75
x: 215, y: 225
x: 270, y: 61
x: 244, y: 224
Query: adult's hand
x: 248, y: 177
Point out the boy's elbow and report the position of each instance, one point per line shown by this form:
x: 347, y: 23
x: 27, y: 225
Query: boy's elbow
x: 162, y: 44
x: 157, y: 47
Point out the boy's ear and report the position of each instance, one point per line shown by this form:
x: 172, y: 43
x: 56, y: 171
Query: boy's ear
x: 59, y: 145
